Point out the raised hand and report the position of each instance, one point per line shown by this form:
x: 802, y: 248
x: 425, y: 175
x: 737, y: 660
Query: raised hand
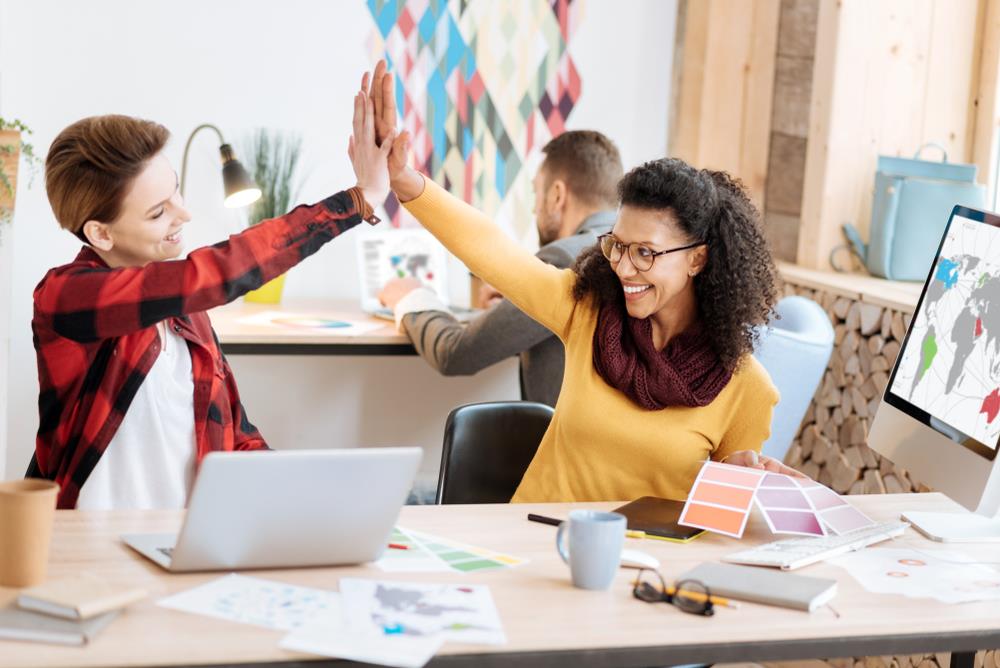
x: 382, y: 92
x: 370, y: 161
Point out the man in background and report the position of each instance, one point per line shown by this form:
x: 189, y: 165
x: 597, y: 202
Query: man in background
x: 575, y: 201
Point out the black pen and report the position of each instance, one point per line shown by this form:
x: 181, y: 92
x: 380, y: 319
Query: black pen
x: 543, y: 519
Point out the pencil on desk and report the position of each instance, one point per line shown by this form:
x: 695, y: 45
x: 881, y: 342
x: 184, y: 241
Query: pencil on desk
x: 698, y: 596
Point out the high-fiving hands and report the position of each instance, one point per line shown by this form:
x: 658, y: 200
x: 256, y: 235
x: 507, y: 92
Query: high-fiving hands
x: 368, y: 158
x: 378, y: 90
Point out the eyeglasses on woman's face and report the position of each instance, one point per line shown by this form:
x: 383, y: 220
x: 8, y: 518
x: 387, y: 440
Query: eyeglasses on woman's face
x: 640, y: 255
x: 689, y: 595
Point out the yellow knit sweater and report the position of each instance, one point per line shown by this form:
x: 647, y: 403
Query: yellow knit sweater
x: 600, y: 445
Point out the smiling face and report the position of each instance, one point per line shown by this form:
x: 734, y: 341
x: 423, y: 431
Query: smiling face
x: 148, y: 229
x: 667, y: 286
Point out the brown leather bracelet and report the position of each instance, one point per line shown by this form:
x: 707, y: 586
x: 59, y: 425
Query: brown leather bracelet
x: 362, y: 207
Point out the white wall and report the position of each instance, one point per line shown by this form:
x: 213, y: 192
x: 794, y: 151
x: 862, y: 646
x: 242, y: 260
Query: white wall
x: 289, y: 65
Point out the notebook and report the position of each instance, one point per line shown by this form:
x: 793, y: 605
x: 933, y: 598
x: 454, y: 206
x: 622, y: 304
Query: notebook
x: 658, y: 518
x: 760, y: 585
x: 80, y: 597
x: 17, y: 624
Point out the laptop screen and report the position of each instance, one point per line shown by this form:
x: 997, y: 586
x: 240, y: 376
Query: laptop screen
x: 947, y: 374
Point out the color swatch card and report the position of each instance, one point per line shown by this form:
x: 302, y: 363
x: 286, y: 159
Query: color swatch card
x: 721, y: 498
x: 786, y: 508
x: 723, y: 494
x: 427, y: 553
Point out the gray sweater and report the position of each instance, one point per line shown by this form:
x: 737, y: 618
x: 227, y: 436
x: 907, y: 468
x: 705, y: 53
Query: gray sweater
x: 503, y: 331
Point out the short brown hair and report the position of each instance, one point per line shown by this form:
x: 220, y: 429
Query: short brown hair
x: 588, y: 162
x: 92, y: 163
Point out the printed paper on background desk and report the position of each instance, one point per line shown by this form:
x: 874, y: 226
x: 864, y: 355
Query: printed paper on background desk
x: 303, y: 323
x: 722, y: 495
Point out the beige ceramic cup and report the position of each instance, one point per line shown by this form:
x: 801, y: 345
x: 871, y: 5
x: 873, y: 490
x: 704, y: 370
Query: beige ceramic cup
x: 27, y: 509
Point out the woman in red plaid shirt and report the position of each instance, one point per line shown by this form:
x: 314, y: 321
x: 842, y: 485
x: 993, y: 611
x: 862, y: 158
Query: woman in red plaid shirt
x: 134, y: 388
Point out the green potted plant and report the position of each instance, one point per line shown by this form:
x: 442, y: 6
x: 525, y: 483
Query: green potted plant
x: 272, y: 159
x: 12, y: 148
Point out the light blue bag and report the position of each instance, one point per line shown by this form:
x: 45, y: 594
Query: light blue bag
x: 912, y: 202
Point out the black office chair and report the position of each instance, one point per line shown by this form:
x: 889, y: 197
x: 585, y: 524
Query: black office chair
x: 487, y: 448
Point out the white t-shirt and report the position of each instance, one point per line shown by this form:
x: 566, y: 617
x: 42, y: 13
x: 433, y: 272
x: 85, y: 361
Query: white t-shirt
x: 150, y: 461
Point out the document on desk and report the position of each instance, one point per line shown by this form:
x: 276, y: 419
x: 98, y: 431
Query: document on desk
x: 401, y: 624
x: 949, y: 577
x: 426, y: 553
x: 248, y: 600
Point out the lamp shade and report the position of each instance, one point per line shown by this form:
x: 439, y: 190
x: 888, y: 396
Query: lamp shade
x: 239, y: 187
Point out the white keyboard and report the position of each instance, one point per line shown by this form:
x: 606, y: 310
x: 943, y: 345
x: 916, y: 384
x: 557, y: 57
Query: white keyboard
x: 792, y: 553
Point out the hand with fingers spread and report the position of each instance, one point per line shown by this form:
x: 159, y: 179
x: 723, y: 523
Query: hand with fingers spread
x: 407, y: 183
x: 368, y: 158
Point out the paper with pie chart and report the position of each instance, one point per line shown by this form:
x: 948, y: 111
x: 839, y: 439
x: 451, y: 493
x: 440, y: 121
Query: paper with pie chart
x: 949, y: 577
x: 723, y: 496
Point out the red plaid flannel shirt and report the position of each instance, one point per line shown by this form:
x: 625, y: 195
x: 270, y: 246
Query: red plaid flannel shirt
x: 95, y: 337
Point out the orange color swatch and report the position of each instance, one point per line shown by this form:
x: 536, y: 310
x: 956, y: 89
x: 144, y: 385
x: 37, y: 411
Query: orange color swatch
x: 719, y: 519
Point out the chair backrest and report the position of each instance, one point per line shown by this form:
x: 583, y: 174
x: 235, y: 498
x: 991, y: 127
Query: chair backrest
x: 795, y: 349
x: 487, y: 448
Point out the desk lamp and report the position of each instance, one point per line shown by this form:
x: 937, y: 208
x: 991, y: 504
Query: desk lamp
x: 239, y: 188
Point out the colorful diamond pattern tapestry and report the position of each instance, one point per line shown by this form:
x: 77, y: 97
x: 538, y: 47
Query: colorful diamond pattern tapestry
x: 481, y: 85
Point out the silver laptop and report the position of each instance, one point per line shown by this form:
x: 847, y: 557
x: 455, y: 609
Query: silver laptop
x: 287, y: 509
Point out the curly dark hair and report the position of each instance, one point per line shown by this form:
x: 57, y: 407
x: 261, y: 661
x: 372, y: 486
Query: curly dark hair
x: 737, y: 289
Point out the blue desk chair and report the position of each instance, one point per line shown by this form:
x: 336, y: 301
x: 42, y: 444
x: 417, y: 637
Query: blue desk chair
x: 795, y: 349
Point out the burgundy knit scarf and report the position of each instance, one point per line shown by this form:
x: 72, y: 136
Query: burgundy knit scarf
x: 687, y: 372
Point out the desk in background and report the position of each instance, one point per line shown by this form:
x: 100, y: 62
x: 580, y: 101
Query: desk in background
x: 239, y: 338
x: 547, y: 621
x: 303, y: 389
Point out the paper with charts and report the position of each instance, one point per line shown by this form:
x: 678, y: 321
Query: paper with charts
x: 274, y: 605
x: 723, y: 495
x: 949, y: 577
x: 426, y: 553
x: 401, y: 623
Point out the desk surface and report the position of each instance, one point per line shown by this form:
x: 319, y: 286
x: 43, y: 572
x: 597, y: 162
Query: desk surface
x: 261, y: 339
x: 546, y: 620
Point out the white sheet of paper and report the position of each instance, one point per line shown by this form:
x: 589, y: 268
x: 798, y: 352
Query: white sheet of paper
x: 949, y: 577
x: 332, y: 640
x: 459, y: 613
x: 310, y: 323
x: 274, y: 605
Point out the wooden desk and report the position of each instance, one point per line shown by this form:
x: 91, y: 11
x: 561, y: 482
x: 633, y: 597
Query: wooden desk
x: 239, y: 338
x: 546, y: 620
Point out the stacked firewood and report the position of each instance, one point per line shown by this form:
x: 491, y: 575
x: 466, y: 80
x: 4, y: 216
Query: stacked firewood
x: 831, y: 445
x: 989, y: 659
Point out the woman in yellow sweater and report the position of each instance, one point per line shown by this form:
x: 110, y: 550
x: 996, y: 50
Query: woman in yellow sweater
x: 657, y: 320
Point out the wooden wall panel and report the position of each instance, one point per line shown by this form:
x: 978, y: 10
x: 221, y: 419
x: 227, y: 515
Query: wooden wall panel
x: 888, y: 77
x: 727, y: 78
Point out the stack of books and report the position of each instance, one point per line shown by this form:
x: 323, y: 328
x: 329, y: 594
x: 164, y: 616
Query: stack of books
x: 68, y: 611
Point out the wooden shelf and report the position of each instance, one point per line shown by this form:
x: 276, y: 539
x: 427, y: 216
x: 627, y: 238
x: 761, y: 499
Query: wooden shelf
x: 898, y: 295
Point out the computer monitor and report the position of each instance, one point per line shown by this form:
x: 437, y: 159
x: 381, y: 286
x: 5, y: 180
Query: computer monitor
x: 940, y: 414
